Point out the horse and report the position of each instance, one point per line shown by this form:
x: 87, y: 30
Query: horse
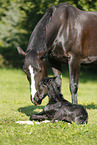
x: 64, y: 35
x: 57, y: 109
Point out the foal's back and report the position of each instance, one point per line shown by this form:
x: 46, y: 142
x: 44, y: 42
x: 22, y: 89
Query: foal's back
x: 61, y: 109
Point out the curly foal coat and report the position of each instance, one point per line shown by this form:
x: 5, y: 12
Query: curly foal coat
x: 57, y: 108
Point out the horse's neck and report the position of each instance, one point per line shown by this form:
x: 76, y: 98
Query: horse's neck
x: 55, y: 26
x: 38, y: 37
x: 51, y: 31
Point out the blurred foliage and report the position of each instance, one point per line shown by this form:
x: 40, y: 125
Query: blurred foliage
x: 18, y: 19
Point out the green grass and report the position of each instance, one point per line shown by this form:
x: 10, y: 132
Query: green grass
x: 15, y: 105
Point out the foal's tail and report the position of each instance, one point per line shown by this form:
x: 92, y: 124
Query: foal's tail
x: 85, y: 117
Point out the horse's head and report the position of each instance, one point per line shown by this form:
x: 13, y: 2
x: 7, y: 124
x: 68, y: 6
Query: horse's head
x: 35, y: 69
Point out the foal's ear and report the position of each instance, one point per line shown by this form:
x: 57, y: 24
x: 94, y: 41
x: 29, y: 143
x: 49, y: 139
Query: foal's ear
x: 20, y: 51
x: 53, y: 78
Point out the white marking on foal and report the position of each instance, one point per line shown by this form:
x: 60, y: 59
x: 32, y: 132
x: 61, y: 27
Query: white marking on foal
x: 33, y: 89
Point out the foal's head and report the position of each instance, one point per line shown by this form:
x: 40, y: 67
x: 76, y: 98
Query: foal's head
x: 44, y: 89
x: 48, y: 87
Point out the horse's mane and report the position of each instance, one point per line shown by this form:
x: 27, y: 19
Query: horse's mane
x: 38, y: 37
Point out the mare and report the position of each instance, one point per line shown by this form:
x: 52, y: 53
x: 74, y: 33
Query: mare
x: 65, y: 34
x: 57, y: 108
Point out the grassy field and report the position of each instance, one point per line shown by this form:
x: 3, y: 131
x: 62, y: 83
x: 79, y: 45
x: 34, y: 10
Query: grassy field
x: 15, y: 105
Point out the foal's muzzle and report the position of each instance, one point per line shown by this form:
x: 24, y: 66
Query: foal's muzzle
x: 38, y: 102
x: 33, y: 101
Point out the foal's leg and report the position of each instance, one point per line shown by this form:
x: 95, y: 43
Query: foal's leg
x: 74, y: 69
x: 38, y: 117
x: 40, y: 113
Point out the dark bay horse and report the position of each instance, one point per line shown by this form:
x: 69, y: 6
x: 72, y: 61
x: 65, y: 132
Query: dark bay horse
x: 64, y: 34
x: 57, y: 108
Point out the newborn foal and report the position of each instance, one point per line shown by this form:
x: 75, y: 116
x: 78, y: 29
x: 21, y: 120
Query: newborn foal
x: 57, y: 108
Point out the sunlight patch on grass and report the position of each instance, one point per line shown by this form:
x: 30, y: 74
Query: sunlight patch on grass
x: 15, y: 105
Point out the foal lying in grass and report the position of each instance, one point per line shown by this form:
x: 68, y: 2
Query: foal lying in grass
x: 57, y: 108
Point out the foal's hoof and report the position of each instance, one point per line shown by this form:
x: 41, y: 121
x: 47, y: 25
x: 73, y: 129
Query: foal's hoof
x: 32, y: 117
x: 52, y: 121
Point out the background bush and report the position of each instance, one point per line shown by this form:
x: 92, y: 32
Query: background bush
x: 18, y: 19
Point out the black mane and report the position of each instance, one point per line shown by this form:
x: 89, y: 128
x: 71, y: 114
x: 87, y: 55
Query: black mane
x: 37, y: 39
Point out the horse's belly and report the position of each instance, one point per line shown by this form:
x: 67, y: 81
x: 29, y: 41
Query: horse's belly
x: 89, y: 59
x: 89, y: 40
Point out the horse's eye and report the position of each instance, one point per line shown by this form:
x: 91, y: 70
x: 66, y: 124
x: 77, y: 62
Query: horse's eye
x: 40, y: 70
x: 37, y: 70
x: 25, y: 70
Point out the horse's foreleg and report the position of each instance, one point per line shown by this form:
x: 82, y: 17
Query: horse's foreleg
x: 59, y: 77
x: 57, y: 70
x: 74, y: 69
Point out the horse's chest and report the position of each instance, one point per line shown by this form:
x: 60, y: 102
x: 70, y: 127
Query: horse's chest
x: 58, y: 53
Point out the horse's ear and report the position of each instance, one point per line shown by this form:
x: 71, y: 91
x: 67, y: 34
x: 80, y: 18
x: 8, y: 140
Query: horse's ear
x: 42, y: 55
x: 20, y: 51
